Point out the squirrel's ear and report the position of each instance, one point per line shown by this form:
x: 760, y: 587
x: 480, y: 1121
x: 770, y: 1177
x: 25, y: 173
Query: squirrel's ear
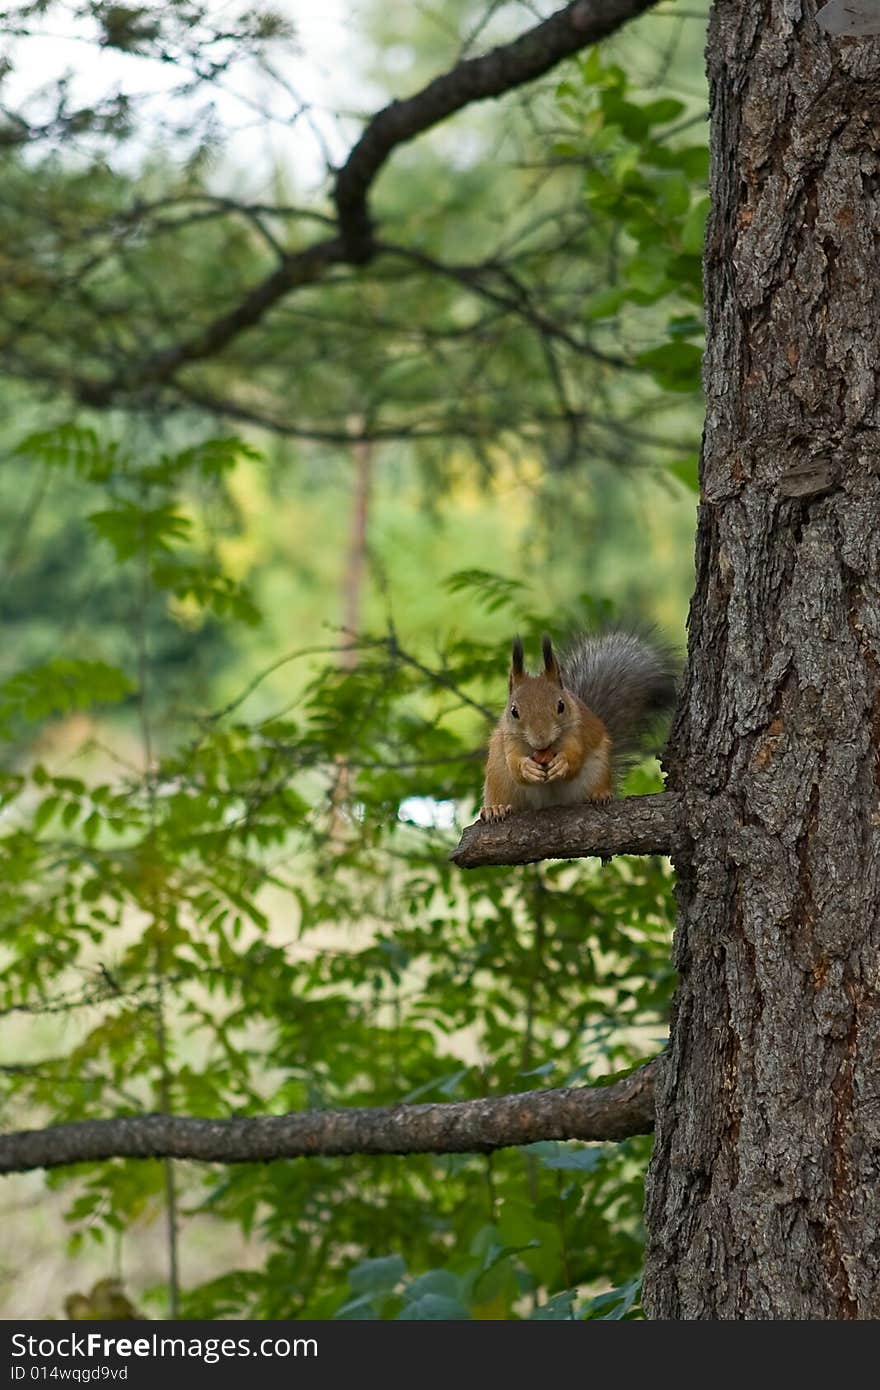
x: 551, y: 665
x: 517, y: 667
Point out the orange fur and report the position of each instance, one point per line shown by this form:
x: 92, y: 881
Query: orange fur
x: 533, y: 722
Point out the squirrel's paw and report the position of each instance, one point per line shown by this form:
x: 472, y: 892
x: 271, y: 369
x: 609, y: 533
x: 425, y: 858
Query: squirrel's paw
x: 531, y: 771
x: 559, y: 767
x: 602, y: 798
x: 490, y: 813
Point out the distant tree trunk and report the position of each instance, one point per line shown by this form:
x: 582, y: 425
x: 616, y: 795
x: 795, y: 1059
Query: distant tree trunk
x: 352, y: 604
x: 356, y: 557
x: 764, y: 1189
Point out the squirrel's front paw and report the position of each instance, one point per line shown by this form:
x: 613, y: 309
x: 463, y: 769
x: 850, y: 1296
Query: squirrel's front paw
x: 559, y: 767
x: 490, y: 813
x: 530, y: 771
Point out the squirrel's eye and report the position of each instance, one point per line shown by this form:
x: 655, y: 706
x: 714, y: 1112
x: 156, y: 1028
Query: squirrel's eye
x: 514, y: 711
x: 560, y: 708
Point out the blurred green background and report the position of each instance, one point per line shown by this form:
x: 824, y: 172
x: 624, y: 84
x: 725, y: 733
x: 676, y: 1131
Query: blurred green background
x: 247, y: 684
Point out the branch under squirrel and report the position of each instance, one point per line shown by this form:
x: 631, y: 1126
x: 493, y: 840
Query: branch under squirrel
x: 635, y: 825
x: 471, y: 1126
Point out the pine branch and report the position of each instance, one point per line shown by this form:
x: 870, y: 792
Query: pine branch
x: 635, y: 825
x: 473, y: 1126
x: 504, y: 69
x: 493, y: 74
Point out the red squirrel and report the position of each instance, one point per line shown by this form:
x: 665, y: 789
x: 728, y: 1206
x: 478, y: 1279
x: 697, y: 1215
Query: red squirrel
x: 566, y: 732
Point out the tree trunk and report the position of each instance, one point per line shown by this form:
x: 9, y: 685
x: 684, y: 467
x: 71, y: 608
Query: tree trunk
x: 764, y: 1190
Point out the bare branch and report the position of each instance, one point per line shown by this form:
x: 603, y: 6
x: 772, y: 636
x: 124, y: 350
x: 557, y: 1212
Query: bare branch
x: 303, y: 268
x: 635, y: 825
x: 491, y: 75
x: 451, y: 426
x: 505, y: 68
x: 471, y: 1126
x: 476, y: 279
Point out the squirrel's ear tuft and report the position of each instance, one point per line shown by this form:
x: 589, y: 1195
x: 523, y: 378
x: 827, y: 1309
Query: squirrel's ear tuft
x: 517, y: 662
x: 551, y: 665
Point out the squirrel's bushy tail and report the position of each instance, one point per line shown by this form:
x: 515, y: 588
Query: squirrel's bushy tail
x: 627, y: 680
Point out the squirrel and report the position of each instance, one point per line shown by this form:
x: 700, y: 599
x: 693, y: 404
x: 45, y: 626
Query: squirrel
x: 566, y: 733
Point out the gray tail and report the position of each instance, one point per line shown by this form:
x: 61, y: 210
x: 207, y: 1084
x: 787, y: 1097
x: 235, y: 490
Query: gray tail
x: 627, y: 680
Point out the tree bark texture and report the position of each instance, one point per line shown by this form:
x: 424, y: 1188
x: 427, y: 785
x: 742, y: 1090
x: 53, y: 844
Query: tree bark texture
x: 764, y: 1190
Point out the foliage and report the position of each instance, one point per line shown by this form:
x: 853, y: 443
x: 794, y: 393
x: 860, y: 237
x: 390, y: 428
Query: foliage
x: 226, y: 891
x: 489, y: 322
x: 65, y: 596
x: 647, y: 183
x: 645, y: 186
x: 250, y: 915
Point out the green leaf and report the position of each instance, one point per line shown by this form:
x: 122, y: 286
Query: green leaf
x: 441, y: 1283
x: 685, y: 326
x: 663, y: 110
x: 433, y: 1307
x: 45, y: 811
x: 693, y: 160
x: 615, y: 1304
x: 673, y: 193
x: 605, y: 304
x: 70, y: 446
x: 355, y: 1309
x: 61, y: 685
x: 693, y: 231
x: 649, y: 272
x: 675, y: 366
x: 214, y: 457
x: 687, y: 471
x: 559, y: 1308
x: 135, y: 530
x: 377, y: 1276
x: 565, y: 1159
x: 494, y: 591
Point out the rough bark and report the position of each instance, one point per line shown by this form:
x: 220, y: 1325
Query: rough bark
x: 764, y: 1189
x: 636, y: 825
x: 471, y: 1126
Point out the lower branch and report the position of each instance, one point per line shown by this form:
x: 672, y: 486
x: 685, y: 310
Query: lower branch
x: 471, y: 1126
x: 636, y: 825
